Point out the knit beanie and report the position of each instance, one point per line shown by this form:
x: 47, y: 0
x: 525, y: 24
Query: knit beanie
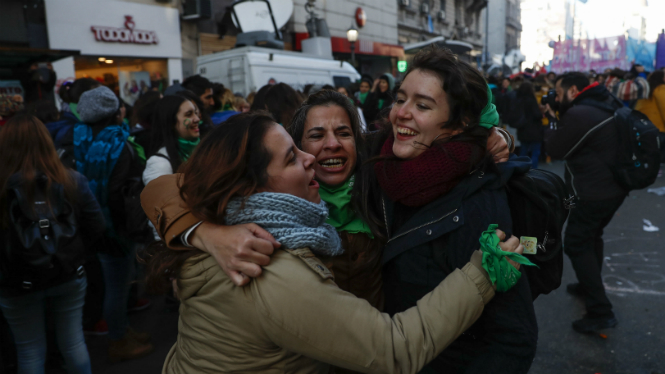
x: 97, y: 104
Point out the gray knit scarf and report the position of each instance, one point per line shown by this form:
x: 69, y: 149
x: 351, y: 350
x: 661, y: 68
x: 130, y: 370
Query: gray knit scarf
x: 294, y: 222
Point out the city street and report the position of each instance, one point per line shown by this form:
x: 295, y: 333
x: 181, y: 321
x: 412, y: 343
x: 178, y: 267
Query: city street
x: 634, y: 277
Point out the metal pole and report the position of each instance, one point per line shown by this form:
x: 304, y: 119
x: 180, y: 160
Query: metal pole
x: 487, y: 31
x: 353, y: 55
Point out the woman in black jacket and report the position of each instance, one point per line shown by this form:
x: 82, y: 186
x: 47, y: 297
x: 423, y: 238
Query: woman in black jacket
x: 529, y: 123
x: 29, y: 277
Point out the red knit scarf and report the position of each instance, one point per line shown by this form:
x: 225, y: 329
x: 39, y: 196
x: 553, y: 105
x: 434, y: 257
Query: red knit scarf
x: 421, y: 180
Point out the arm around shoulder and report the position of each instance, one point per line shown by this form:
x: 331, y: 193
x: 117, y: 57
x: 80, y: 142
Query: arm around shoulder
x: 304, y: 312
x: 166, y: 210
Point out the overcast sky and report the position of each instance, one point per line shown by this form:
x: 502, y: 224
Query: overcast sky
x: 605, y: 17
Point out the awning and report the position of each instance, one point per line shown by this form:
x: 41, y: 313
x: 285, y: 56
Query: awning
x: 17, y: 57
x: 456, y: 46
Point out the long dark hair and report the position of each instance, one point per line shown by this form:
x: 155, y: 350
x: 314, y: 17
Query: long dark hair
x: 466, y: 91
x: 282, y: 102
x: 26, y: 147
x: 240, y: 161
x: 144, y: 108
x: 655, y: 79
x: 164, y: 134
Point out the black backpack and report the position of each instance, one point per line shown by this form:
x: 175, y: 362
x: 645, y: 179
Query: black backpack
x: 539, y: 205
x: 42, y: 244
x: 136, y: 225
x: 638, y: 154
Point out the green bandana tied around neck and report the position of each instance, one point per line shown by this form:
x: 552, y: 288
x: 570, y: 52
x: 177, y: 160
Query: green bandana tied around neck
x: 73, y: 107
x: 363, y: 97
x: 140, y: 152
x: 186, y: 147
x: 489, y: 117
x: 501, y: 272
x: 340, y: 213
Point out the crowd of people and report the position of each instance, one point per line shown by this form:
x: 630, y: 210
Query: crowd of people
x: 286, y: 222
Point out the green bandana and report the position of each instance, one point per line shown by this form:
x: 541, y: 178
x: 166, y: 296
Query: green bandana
x: 186, y: 147
x: 501, y: 272
x: 341, y: 215
x: 381, y: 101
x: 227, y: 106
x: 363, y: 97
x: 140, y: 152
x: 489, y: 117
x: 73, y: 107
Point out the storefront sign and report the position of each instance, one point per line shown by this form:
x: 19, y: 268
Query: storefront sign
x: 102, y: 28
x: 361, y: 17
x: 124, y: 35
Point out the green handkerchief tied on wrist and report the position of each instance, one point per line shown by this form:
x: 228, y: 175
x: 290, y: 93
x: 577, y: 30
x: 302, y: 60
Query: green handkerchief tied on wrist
x: 501, y: 272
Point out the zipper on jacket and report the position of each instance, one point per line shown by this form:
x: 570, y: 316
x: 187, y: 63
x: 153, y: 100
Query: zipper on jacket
x: 572, y: 178
x: 421, y: 226
x: 385, y: 216
x: 585, y: 135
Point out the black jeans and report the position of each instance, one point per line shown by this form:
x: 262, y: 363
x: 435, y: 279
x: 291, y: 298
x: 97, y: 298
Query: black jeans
x: 584, y: 246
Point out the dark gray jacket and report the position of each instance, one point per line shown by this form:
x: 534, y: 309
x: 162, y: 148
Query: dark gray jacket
x: 589, y: 166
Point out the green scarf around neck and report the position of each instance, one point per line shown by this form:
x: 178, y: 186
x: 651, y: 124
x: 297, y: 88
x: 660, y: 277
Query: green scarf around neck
x: 363, y: 97
x: 186, y: 147
x: 340, y: 211
x: 73, y: 107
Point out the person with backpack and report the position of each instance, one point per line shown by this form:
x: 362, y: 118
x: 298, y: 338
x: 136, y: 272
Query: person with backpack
x: 175, y: 135
x: 49, y: 218
x: 62, y: 131
x: 528, y: 123
x: 588, y: 147
x: 112, y: 165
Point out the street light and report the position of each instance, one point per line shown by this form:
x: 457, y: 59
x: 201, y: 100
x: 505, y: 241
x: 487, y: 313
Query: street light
x: 352, y: 37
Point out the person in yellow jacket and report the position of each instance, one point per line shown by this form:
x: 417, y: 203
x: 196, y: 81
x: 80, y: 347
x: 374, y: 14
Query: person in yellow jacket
x: 654, y: 106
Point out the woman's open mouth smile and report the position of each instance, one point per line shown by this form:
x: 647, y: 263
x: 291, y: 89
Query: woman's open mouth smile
x: 333, y: 165
x: 405, y: 133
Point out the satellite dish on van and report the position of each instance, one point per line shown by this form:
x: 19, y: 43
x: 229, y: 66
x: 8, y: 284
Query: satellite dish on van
x: 255, y: 15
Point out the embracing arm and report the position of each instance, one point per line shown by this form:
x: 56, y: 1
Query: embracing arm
x: 315, y: 316
x: 239, y: 250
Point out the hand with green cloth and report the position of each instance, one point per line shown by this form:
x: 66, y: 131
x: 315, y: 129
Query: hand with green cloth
x: 502, y: 266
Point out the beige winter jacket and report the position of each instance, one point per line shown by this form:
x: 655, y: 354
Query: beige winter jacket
x: 294, y: 319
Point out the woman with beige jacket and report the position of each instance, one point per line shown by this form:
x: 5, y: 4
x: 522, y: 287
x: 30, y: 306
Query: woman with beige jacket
x: 293, y: 318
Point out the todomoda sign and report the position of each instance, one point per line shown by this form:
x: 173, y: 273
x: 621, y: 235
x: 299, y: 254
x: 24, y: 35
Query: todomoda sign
x: 124, y: 35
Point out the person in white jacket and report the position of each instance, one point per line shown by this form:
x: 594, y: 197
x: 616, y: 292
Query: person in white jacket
x: 175, y: 135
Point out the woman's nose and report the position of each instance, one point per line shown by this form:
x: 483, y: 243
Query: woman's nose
x: 309, y: 160
x: 332, y: 142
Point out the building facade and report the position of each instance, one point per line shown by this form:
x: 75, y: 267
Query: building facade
x: 504, y: 27
x: 459, y: 20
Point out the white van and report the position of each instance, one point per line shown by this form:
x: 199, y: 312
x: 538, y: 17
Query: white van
x: 247, y: 69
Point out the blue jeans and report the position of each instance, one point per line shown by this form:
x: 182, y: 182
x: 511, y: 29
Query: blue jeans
x: 118, y: 273
x: 25, y: 316
x: 531, y: 149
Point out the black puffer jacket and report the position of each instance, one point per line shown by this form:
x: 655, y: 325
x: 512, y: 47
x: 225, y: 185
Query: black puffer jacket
x: 589, y: 169
x: 427, y: 244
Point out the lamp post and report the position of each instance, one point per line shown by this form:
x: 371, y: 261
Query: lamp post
x: 352, y: 37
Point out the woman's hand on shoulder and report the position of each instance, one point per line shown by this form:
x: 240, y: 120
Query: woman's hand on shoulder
x: 497, y: 146
x: 239, y: 250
